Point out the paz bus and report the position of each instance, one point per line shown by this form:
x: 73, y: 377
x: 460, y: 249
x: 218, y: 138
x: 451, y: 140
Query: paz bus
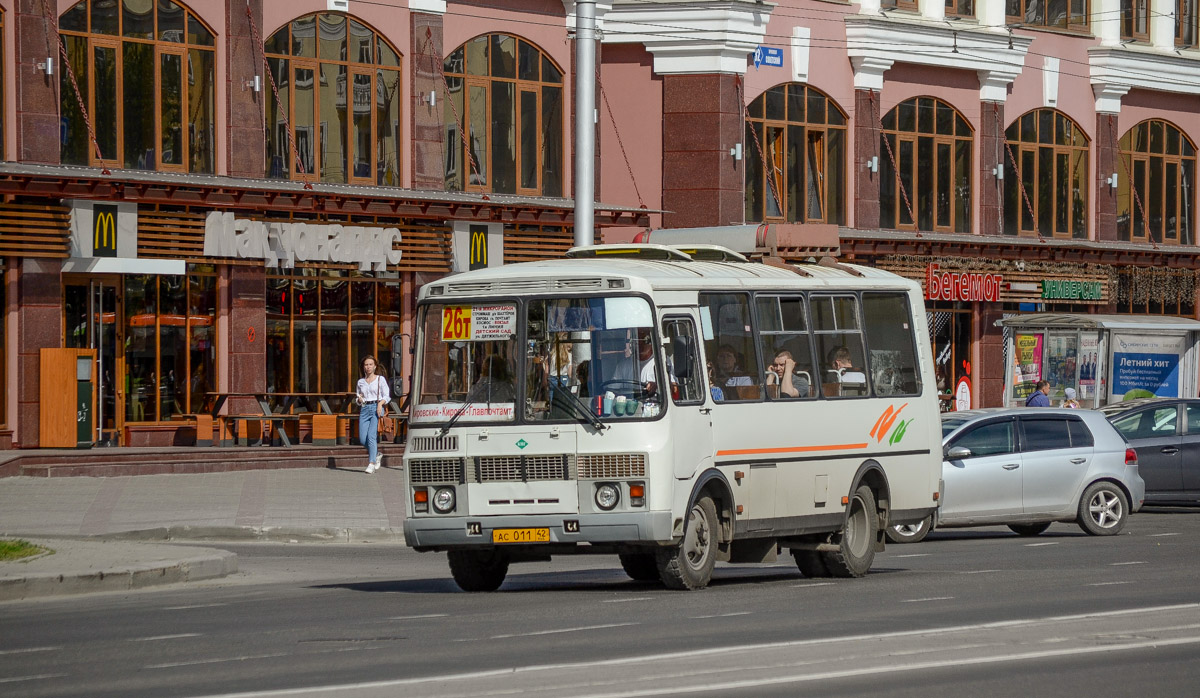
x: 672, y: 405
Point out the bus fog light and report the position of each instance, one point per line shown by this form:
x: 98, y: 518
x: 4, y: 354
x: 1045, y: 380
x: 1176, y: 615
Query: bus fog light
x: 607, y: 496
x: 443, y: 499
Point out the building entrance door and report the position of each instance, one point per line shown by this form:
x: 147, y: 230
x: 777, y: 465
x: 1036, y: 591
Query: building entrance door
x: 92, y: 309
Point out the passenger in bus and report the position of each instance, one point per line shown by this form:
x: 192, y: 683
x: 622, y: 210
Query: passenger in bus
x: 846, y: 379
x: 648, y: 365
x: 781, y: 373
x: 717, y: 393
x: 728, y: 372
x: 582, y: 371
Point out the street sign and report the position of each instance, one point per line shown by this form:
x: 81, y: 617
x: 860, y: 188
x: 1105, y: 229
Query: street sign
x: 771, y: 57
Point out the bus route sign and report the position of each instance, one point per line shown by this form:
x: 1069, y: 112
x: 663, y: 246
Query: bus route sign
x: 478, y: 323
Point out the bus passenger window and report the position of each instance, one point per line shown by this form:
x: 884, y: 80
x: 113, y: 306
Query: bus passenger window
x: 838, y: 332
x: 891, y: 343
x: 784, y: 340
x: 725, y: 323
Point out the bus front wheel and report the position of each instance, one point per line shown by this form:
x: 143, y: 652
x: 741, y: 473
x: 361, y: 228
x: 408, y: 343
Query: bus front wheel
x: 856, y: 547
x: 478, y: 570
x: 690, y: 564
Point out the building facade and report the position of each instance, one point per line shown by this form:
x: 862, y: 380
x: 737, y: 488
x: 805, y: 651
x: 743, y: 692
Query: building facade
x: 217, y: 196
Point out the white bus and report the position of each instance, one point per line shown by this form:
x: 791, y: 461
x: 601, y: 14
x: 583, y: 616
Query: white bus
x: 674, y: 406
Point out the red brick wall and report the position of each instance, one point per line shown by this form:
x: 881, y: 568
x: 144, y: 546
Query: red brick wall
x: 1106, y: 164
x: 989, y: 361
x: 866, y: 145
x: 702, y: 119
x: 991, y: 154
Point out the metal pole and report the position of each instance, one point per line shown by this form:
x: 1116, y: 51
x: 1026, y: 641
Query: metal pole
x: 585, y: 121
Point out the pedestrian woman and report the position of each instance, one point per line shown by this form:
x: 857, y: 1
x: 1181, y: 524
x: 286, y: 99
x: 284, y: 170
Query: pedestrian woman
x: 373, y: 397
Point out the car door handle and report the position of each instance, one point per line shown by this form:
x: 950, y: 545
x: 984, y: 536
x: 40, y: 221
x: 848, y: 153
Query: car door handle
x: 1011, y: 466
x: 1077, y: 461
x: 1170, y: 450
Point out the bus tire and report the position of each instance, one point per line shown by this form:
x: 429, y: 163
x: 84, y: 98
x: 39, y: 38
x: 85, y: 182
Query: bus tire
x: 856, y: 544
x: 641, y: 567
x: 689, y: 565
x: 478, y: 570
x: 810, y: 563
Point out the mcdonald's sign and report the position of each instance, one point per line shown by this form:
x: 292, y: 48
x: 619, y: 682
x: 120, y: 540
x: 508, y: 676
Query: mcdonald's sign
x: 477, y: 255
x: 104, y: 230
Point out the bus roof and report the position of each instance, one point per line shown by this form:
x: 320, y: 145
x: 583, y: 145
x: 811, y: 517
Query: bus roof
x: 604, y: 273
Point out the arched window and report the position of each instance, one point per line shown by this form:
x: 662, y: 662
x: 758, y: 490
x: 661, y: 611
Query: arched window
x: 1051, y: 176
x: 322, y: 62
x: 1156, y: 189
x: 931, y: 144
x: 512, y: 115
x: 145, y: 72
x: 802, y: 133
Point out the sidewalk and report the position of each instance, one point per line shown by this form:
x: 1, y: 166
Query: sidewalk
x: 93, y: 523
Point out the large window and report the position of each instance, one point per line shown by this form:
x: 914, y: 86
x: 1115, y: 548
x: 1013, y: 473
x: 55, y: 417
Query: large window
x: 321, y: 323
x: 1156, y: 191
x: 1045, y: 193
x: 802, y: 134
x: 930, y: 144
x: 339, y: 87
x: 1187, y: 22
x: 507, y: 96
x: 145, y: 72
x: 1057, y: 14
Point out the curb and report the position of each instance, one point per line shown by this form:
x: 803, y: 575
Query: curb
x: 276, y: 534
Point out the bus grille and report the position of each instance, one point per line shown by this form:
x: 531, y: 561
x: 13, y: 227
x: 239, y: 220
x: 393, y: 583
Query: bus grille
x: 614, y: 465
x: 522, y: 468
x: 432, y: 470
x: 433, y: 444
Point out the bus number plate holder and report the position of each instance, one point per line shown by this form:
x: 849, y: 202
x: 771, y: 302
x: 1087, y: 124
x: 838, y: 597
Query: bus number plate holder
x: 521, y: 535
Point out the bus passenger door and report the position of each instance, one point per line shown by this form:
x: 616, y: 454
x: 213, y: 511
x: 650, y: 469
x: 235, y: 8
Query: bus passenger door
x: 690, y: 417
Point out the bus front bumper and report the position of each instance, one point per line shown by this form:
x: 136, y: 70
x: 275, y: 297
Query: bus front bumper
x: 619, y: 527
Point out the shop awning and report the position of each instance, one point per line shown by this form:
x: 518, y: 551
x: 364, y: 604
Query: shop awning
x: 1083, y: 321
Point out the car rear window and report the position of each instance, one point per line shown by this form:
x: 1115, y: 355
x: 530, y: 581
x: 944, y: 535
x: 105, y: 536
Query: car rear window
x: 1081, y: 436
x: 1046, y: 434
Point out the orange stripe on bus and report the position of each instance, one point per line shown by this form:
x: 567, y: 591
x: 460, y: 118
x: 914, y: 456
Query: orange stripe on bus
x: 791, y: 449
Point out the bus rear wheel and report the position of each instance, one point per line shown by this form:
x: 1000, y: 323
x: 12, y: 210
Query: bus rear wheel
x: 478, y: 570
x: 641, y: 567
x: 856, y: 544
x: 690, y: 564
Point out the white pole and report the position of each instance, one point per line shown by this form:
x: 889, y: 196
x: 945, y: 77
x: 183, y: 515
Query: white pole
x: 585, y: 124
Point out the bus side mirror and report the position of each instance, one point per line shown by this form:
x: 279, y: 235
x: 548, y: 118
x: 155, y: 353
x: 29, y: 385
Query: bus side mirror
x: 681, y: 350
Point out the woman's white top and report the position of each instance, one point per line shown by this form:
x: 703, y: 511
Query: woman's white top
x: 376, y: 391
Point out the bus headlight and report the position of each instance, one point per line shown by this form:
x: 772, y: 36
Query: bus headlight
x: 443, y: 499
x: 607, y: 496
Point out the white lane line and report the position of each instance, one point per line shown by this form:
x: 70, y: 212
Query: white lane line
x: 562, y: 630
x: 217, y: 660
x: 1119, y: 564
x: 931, y: 598
x: 723, y: 615
x: 913, y: 555
x: 33, y: 677
x: 161, y: 637
x: 635, y: 598
x: 185, y: 608
x: 427, y: 615
x: 1038, y: 545
x: 30, y: 649
x: 1105, y: 584
x: 812, y: 584
x: 1160, y: 535
x: 980, y: 571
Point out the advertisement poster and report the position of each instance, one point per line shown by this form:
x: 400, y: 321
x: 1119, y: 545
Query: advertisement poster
x: 1089, y: 350
x: 1145, y: 366
x: 1027, y: 369
x: 1061, y: 363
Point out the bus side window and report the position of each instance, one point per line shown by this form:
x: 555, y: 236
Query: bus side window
x: 683, y: 357
x: 728, y: 338
x: 892, y: 346
x: 838, y: 330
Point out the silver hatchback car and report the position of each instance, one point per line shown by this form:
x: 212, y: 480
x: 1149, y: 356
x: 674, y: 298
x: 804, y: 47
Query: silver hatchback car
x: 1029, y: 467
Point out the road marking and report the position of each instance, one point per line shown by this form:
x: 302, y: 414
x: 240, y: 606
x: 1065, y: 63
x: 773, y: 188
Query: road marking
x: 32, y: 677
x: 979, y: 571
x: 218, y: 660
x: 812, y: 584
x: 161, y: 637
x: 1160, y: 535
x: 1106, y: 584
x: 931, y: 598
x: 636, y: 598
x: 30, y: 649
x: 1118, y: 564
x: 562, y: 630
x: 914, y: 555
x: 185, y: 608
x: 1038, y: 545
x: 427, y: 615
x: 723, y: 615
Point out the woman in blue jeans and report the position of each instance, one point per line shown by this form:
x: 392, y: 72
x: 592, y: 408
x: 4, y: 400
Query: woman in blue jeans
x: 373, y: 397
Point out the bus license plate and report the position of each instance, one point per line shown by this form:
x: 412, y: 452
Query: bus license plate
x: 521, y: 535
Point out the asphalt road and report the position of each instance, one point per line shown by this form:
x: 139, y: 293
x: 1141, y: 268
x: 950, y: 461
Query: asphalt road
x: 977, y: 612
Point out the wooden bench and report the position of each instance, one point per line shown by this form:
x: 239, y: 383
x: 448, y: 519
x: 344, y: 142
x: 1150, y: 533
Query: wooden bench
x: 204, y: 427
x: 323, y: 427
x: 254, y: 427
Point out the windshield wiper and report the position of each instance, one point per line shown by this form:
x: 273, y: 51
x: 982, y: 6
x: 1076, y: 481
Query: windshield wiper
x: 466, y: 403
x: 580, y: 408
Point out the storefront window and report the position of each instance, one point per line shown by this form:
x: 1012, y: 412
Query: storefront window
x: 1058, y: 14
x: 1045, y: 191
x: 925, y: 164
x: 1156, y: 190
x: 950, y: 335
x: 166, y: 57
x: 802, y: 135
x: 320, y: 325
x: 339, y: 82
x: 507, y: 96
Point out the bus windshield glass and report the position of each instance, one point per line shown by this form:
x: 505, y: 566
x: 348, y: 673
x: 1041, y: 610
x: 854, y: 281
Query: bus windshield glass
x: 467, y: 363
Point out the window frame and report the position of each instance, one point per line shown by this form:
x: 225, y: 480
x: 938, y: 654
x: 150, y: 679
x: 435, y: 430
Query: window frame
x: 1139, y: 166
x: 893, y: 151
x: 1131, y: 12
x: 1187, y: 29
x: 1021, y: 147
x: 1067, y: 25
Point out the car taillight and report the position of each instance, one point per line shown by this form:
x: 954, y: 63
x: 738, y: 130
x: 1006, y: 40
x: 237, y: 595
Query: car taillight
x: 1130, y: 457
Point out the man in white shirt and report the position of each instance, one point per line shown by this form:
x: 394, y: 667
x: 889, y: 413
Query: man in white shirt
x: 647, y: 366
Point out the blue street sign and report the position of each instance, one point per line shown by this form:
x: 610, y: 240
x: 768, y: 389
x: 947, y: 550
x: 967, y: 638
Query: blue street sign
x: 765, y: 55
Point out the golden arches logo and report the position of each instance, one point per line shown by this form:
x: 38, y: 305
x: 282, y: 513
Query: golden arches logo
x: 477, y: 255
x: 104, y: 231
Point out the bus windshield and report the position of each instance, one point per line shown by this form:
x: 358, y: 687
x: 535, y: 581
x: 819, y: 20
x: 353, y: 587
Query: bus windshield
x: 467, y: 363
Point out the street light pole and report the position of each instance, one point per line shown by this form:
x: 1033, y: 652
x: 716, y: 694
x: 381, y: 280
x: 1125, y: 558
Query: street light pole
x: 585, y: 121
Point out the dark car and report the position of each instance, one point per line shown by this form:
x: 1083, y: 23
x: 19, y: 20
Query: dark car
x: 1165, y: 432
